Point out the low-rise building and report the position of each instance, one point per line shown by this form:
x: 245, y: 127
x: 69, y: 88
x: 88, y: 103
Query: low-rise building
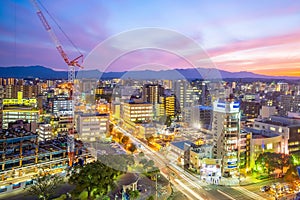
x: 146, y: 130
x: 287, y: 127
x: 262, y: 141
x: 92, y: 126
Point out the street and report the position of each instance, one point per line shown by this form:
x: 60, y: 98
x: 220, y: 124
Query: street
x: 191, y: 185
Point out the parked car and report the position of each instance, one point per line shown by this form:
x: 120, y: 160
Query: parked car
x: 265, y: 188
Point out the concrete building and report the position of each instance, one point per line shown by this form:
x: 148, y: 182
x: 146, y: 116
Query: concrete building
x: 20, y: 100
x: 61, y: 102
x: 116, y: 110
x: 178, y: 147
x: 282, y: 87
x: 146, y: 130
x: 61, y: 124
x: 168, y: 102
x: 92, y: 127
x: 262, y: 141
x: 185, y: 98
x: 287, y: 127
x: 197, y: 154
x: 22, y: 157
x: 201, y: 117
x: 14, y: 113
x: 1, y: 104
x: 226, y: 133
x: 250, y: 109
x: 137, y: 112
x: 45, y: 132
x: 289, y: 103
x: 267, y: 111
x: 21, y: 124
x: 29, y: 91
x: 152, y: 93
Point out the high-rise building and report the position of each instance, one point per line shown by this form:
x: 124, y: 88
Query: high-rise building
x: 1, y: 105
x: 185, y: 98
x: 29, y: 91
x: 226, y: 133
x: 201, y: 117
x: 152, y: 92
x: 61, y: 103
x: 168, y: 102
x: 282, y: 87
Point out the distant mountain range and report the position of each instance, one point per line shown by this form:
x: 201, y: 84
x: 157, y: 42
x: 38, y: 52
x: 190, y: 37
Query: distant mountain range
x: 47, y: 73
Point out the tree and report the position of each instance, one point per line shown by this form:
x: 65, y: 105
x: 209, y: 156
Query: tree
x: 291, y: 174
x: 134, y: 194
x: 168, y: 121
x: 125, y: 140
x: 118, y: 135
x: 118, y: 162
x: 132, y: 148
x: 150, y: 139
x: 150, y: 198
x: 44, y: 185
x: 141, y: 154
x: 94, y: 178
x: 110, y: 128
x: 270, y: 161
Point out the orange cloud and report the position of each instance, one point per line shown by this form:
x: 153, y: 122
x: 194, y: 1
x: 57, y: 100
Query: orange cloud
x: 278, y: 55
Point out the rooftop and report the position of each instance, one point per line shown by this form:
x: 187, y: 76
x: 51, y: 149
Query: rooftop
x: 15, y: 133
x: 180, y: 144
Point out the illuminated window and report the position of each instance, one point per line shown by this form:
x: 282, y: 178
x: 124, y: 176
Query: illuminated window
x: 270, y: 146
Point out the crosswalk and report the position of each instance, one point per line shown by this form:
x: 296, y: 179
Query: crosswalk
x: 249, y: 193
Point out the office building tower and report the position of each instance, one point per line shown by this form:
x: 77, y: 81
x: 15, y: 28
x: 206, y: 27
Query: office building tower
x: 226, y: 133
x: 152, y: 92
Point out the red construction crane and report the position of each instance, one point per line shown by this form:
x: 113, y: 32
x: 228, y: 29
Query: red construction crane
x: 71, y: 73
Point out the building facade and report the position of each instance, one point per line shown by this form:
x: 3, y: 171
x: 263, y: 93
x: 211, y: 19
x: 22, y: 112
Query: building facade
x: 92, y: 127
x: 226, y: 133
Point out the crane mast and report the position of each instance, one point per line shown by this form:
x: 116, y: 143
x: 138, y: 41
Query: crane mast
x: 71, y: 76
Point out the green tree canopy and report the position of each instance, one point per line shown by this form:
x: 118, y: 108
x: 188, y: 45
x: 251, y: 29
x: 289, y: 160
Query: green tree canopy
x: 95, y: 178
x: 44, y: 185
x: 118, y: 162
x: 134, y: 194
x: 268, y: 161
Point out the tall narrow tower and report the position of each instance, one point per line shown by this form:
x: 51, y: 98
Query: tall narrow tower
x: 226, y: 133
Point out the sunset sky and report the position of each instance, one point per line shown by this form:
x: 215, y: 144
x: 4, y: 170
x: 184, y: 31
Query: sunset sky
x: 257, y: 36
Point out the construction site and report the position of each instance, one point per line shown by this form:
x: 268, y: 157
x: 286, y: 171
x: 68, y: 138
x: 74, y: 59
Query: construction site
x: 22, y: 156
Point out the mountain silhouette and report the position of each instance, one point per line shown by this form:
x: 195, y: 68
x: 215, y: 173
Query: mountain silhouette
x: 192, y: 73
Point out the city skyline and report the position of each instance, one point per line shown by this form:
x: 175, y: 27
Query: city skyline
x: 258, y: 37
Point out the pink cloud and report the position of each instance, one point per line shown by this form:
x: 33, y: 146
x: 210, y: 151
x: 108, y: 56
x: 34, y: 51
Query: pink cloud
x: 293, y: 37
